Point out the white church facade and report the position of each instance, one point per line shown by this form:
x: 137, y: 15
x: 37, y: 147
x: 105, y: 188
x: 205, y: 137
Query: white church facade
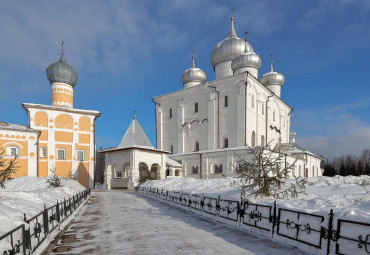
x: 207, y: 126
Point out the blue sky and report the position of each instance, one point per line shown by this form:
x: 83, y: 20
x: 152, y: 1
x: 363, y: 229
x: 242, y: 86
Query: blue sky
x: 126, y: 52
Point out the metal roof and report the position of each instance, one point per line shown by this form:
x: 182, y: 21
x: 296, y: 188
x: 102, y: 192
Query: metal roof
x: 17, y: 127
x: 135, y: 137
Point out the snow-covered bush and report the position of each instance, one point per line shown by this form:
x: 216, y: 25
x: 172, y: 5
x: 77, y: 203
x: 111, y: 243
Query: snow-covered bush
x: 7, y: 168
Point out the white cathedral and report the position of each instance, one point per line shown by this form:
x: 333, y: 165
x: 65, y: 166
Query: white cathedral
x: 207, y: 126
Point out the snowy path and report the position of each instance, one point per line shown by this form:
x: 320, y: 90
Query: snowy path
x: 118, y: 222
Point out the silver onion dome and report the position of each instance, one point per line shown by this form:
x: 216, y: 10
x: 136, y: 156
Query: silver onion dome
x: 62, y: 72
x: 229, y: 48
x: 272, y: 78
x: 246, y: 59
x: 193, y: 75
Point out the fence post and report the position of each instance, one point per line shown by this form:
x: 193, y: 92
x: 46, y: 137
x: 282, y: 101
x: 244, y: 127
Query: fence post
x: 274, y: 219
x: 330, y: 230
x: 45, y: 220
x: 58, y: 213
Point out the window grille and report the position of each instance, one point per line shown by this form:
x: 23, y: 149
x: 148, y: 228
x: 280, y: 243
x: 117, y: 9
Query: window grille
x: 218, y: 169
x: 80, y: 155
x: 61, y: 154
x: 43, y: 152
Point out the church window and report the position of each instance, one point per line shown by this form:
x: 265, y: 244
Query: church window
x: 13, y: 151
x: 195, y: 169
x: 253, y: 139
x: 300, y: 172
x: 171, y: 149
x: 170, y: 113
x: 43, y: 152
x: 196, y: 107
x: 61, y: 154
x: 80, y: 155
x: 252, y: 101
x: 313, y: 171
x: 262, y: 141
x: 226, y: 142
x: 196, y: 146
x: 226, y: 101
x: 218, y: 169
x: 263, y: 108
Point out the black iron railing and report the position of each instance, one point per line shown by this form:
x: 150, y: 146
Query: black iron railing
x: 296, y: 226
x: 26, y: 238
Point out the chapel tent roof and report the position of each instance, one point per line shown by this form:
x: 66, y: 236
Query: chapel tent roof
x: 135, y: 137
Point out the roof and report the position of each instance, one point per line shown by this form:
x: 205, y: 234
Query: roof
x: 9, y: 126
x: 135, y: 138
x: 292, y: 149
x: 173, y: 163
x: 55, y: 108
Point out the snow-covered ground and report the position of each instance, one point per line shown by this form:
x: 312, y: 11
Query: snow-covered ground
x: 28, y: 195
x: 342, y: 194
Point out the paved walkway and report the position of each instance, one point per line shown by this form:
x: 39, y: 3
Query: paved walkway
x: 118, y: 222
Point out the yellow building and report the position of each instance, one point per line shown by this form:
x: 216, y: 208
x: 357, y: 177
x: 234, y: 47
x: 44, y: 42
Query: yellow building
x: 58, y: 137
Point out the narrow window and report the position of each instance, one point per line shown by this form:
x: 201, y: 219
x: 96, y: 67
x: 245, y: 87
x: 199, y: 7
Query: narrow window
x: 253, y: 139
x: 61, y: 154
x: 43, y: 152
x: 226, y: 142
x: 196, y: 107
x: 313, y: 171
x: 118, y: 174
x: 196, y: 146
x: 170, y: 113
x: 262, y: 141
x: 263, y: 108
x: 300, y: 172
x: 171, y: 149
x: 80, y: 155
x: 218, y: 169
x: 252, y: 101
x: 226, y: 101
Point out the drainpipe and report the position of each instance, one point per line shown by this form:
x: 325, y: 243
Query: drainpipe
x: 290, y: 114
x: 218, y: 116
x: 200, y: 166
x: 155, y: 113
x: 267, y: 114
x: 304, y: 166
x: 97, y: 116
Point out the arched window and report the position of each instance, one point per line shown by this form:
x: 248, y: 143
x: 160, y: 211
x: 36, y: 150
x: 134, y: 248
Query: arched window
x: 226, y: 101
x: 262, y: 141
x: 170, y: 113
x: 171, y: 149
x: 226, y: 142
x: 196, y: 107
x: 196, y: 146
x: 313, y: 171
x: 195, y: 169
x: 12, y: 151
x: 252, y: 101
x: 253, y: 139
x: 218, y: 169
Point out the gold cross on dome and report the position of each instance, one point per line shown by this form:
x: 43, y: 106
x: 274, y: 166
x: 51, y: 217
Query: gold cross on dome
x: 62, y: 44
x: 246, y: 35
x: 134, y: 114
x: 232, y: 13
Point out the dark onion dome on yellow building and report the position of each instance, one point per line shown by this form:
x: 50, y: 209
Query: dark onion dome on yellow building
x: 229, y: 48
x: 62, y: 72
x: 193, y: 76
x: 246, y: 59
x: 272, y: 78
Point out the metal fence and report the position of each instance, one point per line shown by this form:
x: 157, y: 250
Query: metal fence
x: 26, y: 238
x: 296, y: 227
